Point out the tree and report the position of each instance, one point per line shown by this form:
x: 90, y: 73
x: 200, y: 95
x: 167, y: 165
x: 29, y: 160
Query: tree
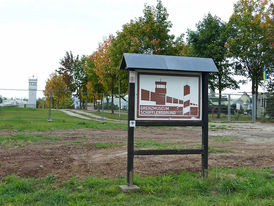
x: 94, y: 87
x: 41, y: 102
x: 147, y: 34
x: 80, y: 77
x: 251, y: 39
x: 60, y: 95
x: 209, y: 41
x: 105, y: 70
x: 67, y: 70
x: 180, y: 48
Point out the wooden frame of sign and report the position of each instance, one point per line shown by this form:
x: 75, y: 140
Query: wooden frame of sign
x: 159, y: 97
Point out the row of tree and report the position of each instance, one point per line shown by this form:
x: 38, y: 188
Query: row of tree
x: 242, y: 46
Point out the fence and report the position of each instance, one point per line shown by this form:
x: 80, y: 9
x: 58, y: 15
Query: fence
x: 233, y: 107
x: 99, y: 107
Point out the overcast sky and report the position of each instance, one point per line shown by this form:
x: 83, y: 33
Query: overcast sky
x: 35, y: 34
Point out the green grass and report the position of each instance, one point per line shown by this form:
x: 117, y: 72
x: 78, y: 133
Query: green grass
x: 22, y: 119
x: 14, y: 113
x: 169, y: 145
x: 106, y: 145
x: 40, y: 125
x: 233, y: 117
x: 23, y: 139
x: 158, y: 145
x: 219, y: 150
x: 223, y: 139
x: 123, y: 116
x: 241, y: 186
x: 213, y: 126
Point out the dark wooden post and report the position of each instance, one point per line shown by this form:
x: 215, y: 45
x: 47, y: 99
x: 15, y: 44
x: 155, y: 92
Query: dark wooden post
x: 205, y: 124
x: 130, y: 144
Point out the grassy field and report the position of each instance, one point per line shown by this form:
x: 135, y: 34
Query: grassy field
x: 37, y: 119
x: 123, y: 115
x: 240, y: 186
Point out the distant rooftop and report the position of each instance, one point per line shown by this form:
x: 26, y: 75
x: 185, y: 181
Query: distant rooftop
x: 133, y: 61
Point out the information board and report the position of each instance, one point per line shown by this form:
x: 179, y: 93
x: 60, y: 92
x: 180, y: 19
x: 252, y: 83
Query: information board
x: 168, y: 96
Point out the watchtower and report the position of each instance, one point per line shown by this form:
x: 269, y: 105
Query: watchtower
x: 32, y: 92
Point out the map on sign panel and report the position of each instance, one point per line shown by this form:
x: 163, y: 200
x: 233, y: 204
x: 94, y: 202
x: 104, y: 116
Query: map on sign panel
x: 168, y: 97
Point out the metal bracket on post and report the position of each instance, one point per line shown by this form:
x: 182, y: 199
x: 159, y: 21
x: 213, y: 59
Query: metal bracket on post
x: 50, y: 99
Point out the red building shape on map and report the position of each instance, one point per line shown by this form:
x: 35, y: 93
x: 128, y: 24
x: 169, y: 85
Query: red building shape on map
x: 160, y: 93
x: 160, y: 98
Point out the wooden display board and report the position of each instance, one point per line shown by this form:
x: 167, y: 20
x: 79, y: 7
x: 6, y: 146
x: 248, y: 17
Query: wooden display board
x: 166, y: 91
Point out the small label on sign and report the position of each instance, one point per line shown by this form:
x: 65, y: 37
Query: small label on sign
x: 132, y: 123
x: 131, y: 76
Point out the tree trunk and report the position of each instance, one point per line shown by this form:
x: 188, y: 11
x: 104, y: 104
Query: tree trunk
x: 253, y: 87
x: 94, y: 102
x: 112, y: 103
x: 80, y: 100
x: 98, y: 108
x: 219, y: 104
x: 256, y: 92
x: 253, y: 92
x: 112, y: 91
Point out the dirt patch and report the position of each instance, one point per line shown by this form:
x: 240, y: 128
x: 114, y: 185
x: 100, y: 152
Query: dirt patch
x: 77, y: 154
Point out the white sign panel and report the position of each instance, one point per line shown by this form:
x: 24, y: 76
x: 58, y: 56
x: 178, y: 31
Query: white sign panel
x: 162, y: 96
x: 132, y: 123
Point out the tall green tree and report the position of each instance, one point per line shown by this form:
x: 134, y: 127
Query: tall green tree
x: 67, y: 69
x: 148, y: 34
x: 209, y: 41
x: 105, y: 70
x: 251, y: 39
x: 80, y: 77
x: 94, y: 87
x: 61, y: 98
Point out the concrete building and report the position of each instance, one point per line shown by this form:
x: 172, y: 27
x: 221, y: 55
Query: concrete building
x: 32, y: 92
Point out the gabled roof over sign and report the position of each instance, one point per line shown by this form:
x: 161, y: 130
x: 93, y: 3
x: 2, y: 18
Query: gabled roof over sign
x: 133, y: 61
